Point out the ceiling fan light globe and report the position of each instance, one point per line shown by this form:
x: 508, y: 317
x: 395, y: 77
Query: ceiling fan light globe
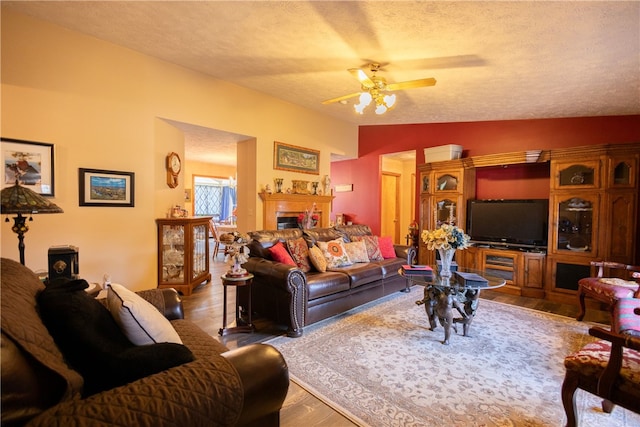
x: 381, y: 109
x: 390, y: 100
x: 359, y: 108
x: 365, y: 98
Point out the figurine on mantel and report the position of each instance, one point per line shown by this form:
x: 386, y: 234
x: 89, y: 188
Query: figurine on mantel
x: 267, y: 189
x: 326, y: 180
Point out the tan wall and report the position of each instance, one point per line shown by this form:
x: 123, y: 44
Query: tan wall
x: 103, y: 107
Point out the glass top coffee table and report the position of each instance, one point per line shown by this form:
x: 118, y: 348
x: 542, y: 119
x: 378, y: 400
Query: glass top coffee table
x: 446, y: 297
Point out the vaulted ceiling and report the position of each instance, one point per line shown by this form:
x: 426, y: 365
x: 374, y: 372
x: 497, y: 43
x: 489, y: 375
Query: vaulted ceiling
x: 492, y: 60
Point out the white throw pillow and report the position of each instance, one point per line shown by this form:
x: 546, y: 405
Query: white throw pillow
x: 140, y: 321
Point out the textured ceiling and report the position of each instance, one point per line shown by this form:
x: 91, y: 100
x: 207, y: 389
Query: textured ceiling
x: 491, y: 60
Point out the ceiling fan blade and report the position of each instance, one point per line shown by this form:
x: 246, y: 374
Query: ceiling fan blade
x: 362, y: 77
x: 412, y: 84
x: 340, y: 98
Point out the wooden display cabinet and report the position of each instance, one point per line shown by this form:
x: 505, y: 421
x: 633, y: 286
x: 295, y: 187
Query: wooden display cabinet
x: 593, y: 213
x: 183, y: 253
x: 443, y: 194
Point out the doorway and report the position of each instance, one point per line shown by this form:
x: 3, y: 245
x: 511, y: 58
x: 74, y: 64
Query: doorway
x: 397, y: 194
x: 390, y: 209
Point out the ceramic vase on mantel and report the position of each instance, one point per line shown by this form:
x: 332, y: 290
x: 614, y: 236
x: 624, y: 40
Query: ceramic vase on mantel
x: 446, y: 256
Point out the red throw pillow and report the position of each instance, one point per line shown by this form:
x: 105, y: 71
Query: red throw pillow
x: 386, y: 247
x: 279, y: 253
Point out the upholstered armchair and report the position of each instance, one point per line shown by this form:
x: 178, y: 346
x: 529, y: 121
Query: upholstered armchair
x: 608, y: 368
x: 608, y: 289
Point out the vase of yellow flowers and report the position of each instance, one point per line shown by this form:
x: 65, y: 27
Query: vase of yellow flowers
x: 446, y: 240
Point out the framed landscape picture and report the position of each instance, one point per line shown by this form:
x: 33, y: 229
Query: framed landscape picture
x: 296, y: 159
x: 106, y: 188
x: 28, y: 163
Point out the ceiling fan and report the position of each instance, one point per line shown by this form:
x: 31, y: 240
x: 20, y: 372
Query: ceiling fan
x: 374, y: 88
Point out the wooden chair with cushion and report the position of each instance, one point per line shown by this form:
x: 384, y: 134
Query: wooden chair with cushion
x: 216, y: 238
x: 608, y: 368
x: 608, y: 289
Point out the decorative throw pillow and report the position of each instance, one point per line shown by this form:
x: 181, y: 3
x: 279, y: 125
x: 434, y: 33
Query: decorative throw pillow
x: 140, y: 321
x: 386, y: 247
x: 335, y: 253
x: 300, y: 253
x: 279, y: 253
x: 317, y: 259
x: 357, y: 251
x: 373, y: 249
x: 93, y: 343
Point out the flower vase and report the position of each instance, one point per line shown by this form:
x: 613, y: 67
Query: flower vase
x: 446, y: 256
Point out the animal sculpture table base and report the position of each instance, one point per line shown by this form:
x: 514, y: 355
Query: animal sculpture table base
x: 442, y: 303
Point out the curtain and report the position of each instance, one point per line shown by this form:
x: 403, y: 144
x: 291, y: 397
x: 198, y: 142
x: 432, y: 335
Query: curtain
x: 228, y: 202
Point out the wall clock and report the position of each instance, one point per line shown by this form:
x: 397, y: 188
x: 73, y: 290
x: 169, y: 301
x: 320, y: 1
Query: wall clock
x: 174, y: 165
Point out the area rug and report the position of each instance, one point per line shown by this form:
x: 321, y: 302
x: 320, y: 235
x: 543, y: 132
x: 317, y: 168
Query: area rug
x: 380, y: 365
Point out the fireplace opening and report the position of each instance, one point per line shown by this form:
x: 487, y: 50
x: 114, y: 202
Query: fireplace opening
x: 287, y: 222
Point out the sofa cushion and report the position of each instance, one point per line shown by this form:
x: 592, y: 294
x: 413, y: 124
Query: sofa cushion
x: 390, y: 266
x: 354, y: 230
x: 335, y: 253
x: 386, y: 247
x: 357, y: 251
x: 329, y: 283
x: 315, y: 235
x: 93, y: 343
x: 371, y: 243
x: 361, y: 273
x: 280, y: 254
x: 140, y: 321
x: 317, y: 259
x: 300, y: 253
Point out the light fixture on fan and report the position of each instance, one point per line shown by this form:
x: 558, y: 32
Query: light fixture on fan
x: 374, y: 88
x: 383, y: 102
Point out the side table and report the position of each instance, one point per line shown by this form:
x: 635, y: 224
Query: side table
x: 237, y: 281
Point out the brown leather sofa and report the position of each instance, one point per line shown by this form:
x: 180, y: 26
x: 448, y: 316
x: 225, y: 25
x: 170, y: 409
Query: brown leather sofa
x: 244, y: 387
x: 293, y: 298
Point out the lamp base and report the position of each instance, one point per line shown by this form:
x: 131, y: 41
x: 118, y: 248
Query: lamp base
x: 19, y: 227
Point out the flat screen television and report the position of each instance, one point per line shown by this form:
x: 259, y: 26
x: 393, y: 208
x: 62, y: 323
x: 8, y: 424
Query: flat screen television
x: 518, y: 223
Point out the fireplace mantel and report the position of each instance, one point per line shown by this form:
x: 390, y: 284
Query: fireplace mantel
x: 282, y: 204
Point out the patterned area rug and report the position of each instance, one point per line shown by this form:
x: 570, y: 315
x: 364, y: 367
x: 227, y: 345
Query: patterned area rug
x: 380, y: 365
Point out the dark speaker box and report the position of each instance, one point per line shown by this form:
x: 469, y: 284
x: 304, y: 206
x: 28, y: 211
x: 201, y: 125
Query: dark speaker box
x: 63, y: 262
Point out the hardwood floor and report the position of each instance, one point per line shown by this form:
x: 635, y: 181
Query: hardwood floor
x: 205, y: 308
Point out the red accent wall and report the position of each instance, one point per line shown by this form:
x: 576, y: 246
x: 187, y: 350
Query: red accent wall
x: 476, y: 138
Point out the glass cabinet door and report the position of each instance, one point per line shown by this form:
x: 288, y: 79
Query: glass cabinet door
x: 425, y: 182
x: 200, y: 264
x: 447, y: 182
x: 585, y: 174
x: 622, y: 172
x: 575, y: 218
x: 446, y: 212
x: 173, y: 253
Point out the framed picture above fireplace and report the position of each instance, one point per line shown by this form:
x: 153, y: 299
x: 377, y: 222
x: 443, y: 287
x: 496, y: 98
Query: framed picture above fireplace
x: 296, y: 159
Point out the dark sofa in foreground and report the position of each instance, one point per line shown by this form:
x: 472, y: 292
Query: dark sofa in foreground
x: 295, y: 298
x: 212, y: 387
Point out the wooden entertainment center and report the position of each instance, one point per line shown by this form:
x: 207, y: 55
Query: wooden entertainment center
x: 593, y: 215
